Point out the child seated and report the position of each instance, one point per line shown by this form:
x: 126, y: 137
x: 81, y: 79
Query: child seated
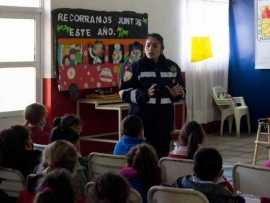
x: 56, y: 187
x: 133, y: 134
x: 142, y: 170
x: 35, y: 116
x: 208, y: 177
x: 189, y: 140
x: 59, y: 154
x: 16, y: 150
x: 68, y: 128
x: 109, y: 188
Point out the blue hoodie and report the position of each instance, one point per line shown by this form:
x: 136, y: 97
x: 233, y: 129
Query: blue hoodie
x: 125, y: 143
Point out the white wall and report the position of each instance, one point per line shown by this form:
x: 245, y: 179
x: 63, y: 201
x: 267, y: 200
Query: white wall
x: 163, y: 18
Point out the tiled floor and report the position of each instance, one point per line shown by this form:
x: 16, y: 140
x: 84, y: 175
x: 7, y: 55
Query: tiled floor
x: 235, y: 149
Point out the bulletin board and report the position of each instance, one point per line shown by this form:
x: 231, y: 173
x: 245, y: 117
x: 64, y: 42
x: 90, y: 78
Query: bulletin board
x: 262, y: 40
x: 90, y: 46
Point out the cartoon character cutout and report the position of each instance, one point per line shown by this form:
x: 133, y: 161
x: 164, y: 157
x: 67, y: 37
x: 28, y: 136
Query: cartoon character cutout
x: 135, y: 52
x: 117, y: 54
x: 66, y: 60
x: 96, y: 52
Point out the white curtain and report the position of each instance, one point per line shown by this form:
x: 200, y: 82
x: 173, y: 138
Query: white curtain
x: 204, y: 18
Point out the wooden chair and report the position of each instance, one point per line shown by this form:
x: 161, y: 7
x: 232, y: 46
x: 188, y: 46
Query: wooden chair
x: 11, y: 181
x: 263, y: 130
x: 100, y: 163
x: 172, y: 168
x: 162, y: 194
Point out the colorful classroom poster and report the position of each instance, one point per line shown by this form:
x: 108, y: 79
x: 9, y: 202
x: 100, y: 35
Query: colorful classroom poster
x: 91, y: 45
x: 262, y: 41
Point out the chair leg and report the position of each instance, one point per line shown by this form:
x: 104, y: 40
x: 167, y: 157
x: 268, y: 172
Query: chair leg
x: 248, y: 123
x: 255, y: 155
x: 237, y: 124
x: 230, y: 120
x: 221, y: 126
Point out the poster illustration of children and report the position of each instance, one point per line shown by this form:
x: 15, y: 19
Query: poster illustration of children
x: 116, y: 53
x: 96, y: 52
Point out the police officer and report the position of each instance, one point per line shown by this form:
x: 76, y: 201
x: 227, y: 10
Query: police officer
x: 150, y: 86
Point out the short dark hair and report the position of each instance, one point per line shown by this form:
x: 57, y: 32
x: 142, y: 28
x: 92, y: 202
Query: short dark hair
x: 157, y: 37
x: 111, y: 187
x: 132, y: 125
x: 34, y: 113
x: 207, y: 164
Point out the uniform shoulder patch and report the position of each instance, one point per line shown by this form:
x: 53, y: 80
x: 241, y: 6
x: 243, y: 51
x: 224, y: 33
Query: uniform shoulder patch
x: 127, y: 75
x: 173, y: 68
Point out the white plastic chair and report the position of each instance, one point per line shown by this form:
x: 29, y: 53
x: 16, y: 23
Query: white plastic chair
x: 240, y: 109
x: 11, y: 181
x: 100, y: 163
x: 134, y: 196
x: 162, y: 194
x: 172, y: 168
x: 230, y: 107
x: 250, y: 179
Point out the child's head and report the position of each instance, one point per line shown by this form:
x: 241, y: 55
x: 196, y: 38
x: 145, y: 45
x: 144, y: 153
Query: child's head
x: 60, y: 154
x: 144, y: 159
x: 55, y: 187
x: 133, y: 126
x: 68, y: 128
x: 35, y: 115
x: 192, y: 135
x: 68, y: 121
x: 14, y: 143
x: 109, y: 188
x: 207, y: 164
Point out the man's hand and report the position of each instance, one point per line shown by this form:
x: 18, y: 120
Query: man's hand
x: 151, y: 90
x: 176, y: 90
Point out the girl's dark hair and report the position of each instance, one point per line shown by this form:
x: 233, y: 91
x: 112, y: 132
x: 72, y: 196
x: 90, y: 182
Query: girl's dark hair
x: 63, y: 128
x: 34, y: 113
x: 158, y: 37
x: 144, y: 159
x: 111, y: 188
x: 192, y: 135
x: 12, y: 146
x: 66, y: 122
x: 56, y: 187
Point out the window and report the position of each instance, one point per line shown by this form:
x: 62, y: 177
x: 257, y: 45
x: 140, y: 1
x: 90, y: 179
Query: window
x: 21, y: 3
x: 20, y: 80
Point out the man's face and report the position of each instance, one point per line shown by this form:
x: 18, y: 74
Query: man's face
x: 152, y: 48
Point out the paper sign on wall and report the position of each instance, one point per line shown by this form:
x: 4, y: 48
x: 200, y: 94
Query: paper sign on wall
x: 91, y: 45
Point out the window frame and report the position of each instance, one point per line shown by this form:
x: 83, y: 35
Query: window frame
x: 26, y: 13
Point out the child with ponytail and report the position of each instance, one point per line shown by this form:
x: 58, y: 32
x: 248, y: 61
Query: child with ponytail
x: 190, y: 138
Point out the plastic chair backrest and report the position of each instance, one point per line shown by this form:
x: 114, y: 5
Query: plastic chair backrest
x: 162, y: 194
x: 239, y: 101
x: 134, y: 196
x: 172, y: 168
x: 221, y: 97
x: 99, y: 163
x: 252, y: 179
x: 11, y: 181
